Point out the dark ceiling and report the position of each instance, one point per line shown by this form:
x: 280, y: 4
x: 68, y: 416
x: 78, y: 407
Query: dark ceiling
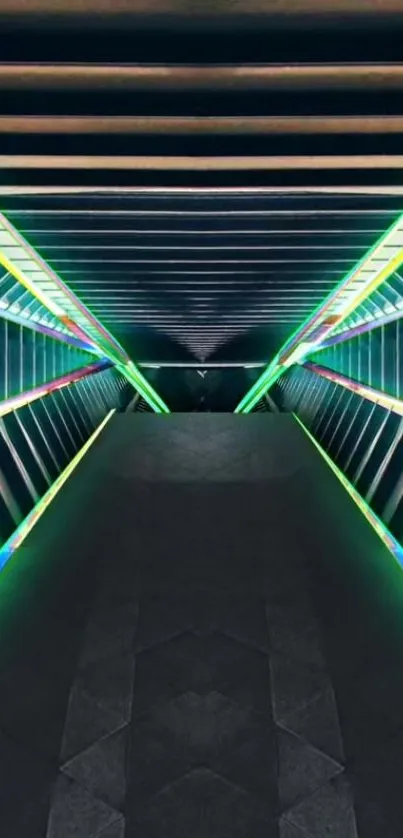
x: 201, y: 179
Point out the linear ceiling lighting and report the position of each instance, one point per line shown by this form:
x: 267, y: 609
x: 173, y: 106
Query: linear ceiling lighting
x: 162, y: 213
x: 25, y: 264
x: 388, y: 539
x: 20, y: 534
x: 235, y: 246
x: 22, y: 399
x: 83, y: 231
x: 369, y: 393
x: 197, y: 365
x: 384, y: 258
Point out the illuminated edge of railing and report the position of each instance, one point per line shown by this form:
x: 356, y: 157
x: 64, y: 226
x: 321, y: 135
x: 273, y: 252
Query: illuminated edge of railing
x: 364, y: 390
x: 105, y: 342
x: 19, y: 535
x: 381, y: 530
x: 55, y: 334
x: 362, y: 329
x: 295, y: 347
x: 22, y: 399
x: 60, y: 309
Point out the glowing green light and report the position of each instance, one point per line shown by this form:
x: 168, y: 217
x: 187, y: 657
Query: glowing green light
x: 388, y: 539
x: 28, y: 267
x: 20, y: 534
x: 137, y: 380
x: 382, y: 260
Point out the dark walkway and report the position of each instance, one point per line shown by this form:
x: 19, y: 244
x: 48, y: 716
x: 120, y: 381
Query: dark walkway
x: 201, y: 638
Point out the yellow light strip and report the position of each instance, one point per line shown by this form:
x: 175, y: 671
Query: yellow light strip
x: 36, y: 513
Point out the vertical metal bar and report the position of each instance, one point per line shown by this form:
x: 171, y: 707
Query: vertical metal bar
x: 370, y: 358
x: 394, y: 501
x: 370, y: 449
x: 329, y: 421
x: 289, y: 383
x: 33, y: 348
x: 21, y: 359
x: 77, y: 391
x: 46, y: 441
x: 385, y: 462
x: 361, y: 434
x: 18, y: 461
x: 323, y: 385
x: 56, y: 430
x: 87, y: 397
x: 69, y: 410
x: 60, y: 412
x: 94, y: 397
x: 383, y: 358
x: 81, y: 420
x: 44, y: 358
x: 105, y: 383
x: 340, y: 420
x: 6, y: 360
x: 9, y: 500
x: 347, y: 434
x: 34, y: 452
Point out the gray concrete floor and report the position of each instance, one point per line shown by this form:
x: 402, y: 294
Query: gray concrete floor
x: 201, y: 637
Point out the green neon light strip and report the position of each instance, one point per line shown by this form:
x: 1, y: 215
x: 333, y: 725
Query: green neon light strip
x: 141, y: 384
x: 20, y: 534
x: 388, y: 539
x: 380, y: 262
x: 24, y: 263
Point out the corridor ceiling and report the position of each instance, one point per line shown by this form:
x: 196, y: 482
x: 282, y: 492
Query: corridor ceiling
x: 201, y: 180
x: 200, y: 277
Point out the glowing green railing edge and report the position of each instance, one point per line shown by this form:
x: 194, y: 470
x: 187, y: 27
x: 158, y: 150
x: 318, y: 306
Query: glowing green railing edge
x: 24, y: 528
x: 275, y: 368
x: 106, y: 343
x: 381, y: 530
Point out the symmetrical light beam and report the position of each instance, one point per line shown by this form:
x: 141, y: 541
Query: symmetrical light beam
x: 25, y: 264
x: 384, y: 258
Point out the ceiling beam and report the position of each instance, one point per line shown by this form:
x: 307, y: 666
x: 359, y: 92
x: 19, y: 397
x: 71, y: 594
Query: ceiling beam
x: 202, y: 164
x: 201, y: 125
x: 217, y: 9
x: 200, y: 191
x: 188, y: 77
